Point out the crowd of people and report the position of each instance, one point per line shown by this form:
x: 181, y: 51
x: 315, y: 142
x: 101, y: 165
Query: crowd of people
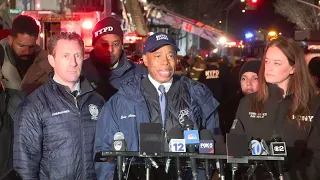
x: 58, y: 110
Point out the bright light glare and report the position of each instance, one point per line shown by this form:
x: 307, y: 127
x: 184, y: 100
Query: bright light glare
x: 223, y: 40
x: 87, y: 25
x: 272, y: 33
x: 249, y: 35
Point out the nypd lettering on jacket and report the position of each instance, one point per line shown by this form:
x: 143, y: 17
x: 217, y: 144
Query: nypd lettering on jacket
x: 103, y: 30
x: 212, y: 74
x: 161, y: 37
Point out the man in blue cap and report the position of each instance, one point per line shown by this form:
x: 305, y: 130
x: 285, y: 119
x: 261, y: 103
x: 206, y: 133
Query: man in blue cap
x: 140, y: 100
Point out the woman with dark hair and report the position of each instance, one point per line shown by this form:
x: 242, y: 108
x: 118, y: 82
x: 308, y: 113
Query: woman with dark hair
x: 285, y: 106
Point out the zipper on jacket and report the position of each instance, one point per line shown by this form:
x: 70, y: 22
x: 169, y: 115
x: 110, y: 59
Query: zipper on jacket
x: 81, y: 137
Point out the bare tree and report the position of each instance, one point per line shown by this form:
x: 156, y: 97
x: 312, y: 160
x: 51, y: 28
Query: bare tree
x: 304, y: 16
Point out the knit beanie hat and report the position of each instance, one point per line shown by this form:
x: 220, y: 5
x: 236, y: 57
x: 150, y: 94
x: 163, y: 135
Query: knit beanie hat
x: 314, y: 68
x: 250, y: 66
x: 108, y: 25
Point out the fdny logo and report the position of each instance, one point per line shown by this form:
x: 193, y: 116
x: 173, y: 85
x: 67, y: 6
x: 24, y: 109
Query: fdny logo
x: 102, y: 30
x: 94, y: 111
x: 303, y: 118
x: 183, y: 113
x: 161, y: 37
x: 192, y: 136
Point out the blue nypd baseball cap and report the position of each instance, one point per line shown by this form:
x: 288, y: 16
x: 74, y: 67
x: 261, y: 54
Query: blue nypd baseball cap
x: 157, y: 40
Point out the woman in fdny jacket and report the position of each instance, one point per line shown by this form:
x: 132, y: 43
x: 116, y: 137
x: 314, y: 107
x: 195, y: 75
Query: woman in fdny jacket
x: 285, y: 106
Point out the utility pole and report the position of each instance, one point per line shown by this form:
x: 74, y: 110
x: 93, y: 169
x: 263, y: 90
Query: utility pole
x: 107, y: 8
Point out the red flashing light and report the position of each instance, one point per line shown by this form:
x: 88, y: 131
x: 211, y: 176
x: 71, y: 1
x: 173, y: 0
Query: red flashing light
x: 254, y: 1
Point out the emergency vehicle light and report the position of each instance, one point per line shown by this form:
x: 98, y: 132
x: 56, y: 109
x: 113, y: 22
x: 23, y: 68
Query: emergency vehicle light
x: 87, y: 24
x: 60, y: 19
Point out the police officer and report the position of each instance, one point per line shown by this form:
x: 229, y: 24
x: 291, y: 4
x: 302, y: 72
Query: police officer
x: 286, y: 105
x: 218, y: 79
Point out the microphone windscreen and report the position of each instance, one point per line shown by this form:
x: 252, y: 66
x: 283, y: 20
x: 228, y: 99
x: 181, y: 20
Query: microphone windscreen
x: 188, y: 124
x: 118, y: 136
x: 175, y: 133
x: 205, y: 134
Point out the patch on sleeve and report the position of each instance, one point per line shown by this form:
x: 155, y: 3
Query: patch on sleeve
x: 234, y: 124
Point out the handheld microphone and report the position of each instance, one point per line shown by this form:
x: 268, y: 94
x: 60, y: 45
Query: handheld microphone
x: 192, y: 140
x: 119, y: 144
x: 207, y: 147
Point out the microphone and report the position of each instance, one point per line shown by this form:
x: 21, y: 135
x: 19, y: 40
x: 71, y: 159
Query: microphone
x: 255, y: 147
x: 192, y: 140
x: 278, y: 148
x: 207, y: 147
x: 119, y: 144
x: 259, y: 147
x: 176, y: 141
x: 176, y: 144
x: 206, y: 142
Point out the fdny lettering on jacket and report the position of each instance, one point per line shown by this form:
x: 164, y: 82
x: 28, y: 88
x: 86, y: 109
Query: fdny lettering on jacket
x: 257, y: 115
x: 212, y: 74
x: 161, y: 36
x: 102, y: 30
x: 303, y: 118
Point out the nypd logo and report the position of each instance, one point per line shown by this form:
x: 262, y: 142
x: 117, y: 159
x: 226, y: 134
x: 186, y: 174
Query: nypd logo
x: 94, y: 111
x: 103, y: 30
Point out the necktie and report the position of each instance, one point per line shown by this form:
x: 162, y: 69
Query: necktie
x: 162, y: 100
x: 74, y: 93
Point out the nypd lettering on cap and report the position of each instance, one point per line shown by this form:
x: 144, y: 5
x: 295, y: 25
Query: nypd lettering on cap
x: 162, y: 37
x: 103, y: 30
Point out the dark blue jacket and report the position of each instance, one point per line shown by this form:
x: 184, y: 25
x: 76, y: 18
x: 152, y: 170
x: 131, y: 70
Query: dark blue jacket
x: 54, y: 133
x: 107, y: 80
x: 127, y: 109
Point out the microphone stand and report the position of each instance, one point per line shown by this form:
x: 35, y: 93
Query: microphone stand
x: 234, y: 169
x: 206, y: 167
x: 148, y: 167
x: 119, y: 167
x: 178, y: 168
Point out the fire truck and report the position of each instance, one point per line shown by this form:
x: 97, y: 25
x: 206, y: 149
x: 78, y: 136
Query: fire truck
x: 52, y: 23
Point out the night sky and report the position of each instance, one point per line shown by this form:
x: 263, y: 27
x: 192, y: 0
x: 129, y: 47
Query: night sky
x: 264, y: 17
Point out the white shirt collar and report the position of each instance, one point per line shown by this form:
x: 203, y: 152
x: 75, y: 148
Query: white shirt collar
x: 115, y: 65
x: 156, y: 84
x: 76, y: 87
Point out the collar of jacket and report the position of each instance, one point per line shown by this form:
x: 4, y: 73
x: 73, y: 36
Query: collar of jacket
x: 131, y: 87
x: 85, y: 86
x: 276, y: 93
x: 122, y: 67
